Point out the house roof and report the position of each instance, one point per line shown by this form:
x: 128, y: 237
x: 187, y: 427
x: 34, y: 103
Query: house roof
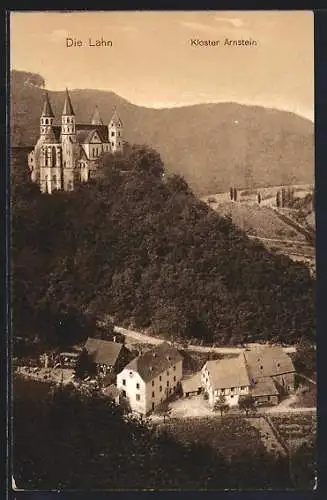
x: 192, y: 384
x: 155, y: 361
x: 264, y: 387
x: 268, y: 362
x: 104, y: 351
x: 227, y: 373
x: 112, y: 391
x: 84, y: 132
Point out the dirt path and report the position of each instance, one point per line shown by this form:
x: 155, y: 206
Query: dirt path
x: 148, y: 339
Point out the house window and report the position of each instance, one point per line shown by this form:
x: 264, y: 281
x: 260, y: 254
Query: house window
x: 232, y: 396
x: 137, y: 386
x: 167, y: 373
x: 138, y: 397
x: 174, y: 368
x: 261, y: 367
x: 232, y: 389
x: 160, y: 378
x: 153, y: 394
x: 124, y: 394
x: 112, y: 134
x: 112, y: 144
x: 278, y: 365
x: 160, y: 388
x: 167, y: 383
x: 175, y: 379
x: 124, y: 381
x: 242, y: 388
x: 152, y: 383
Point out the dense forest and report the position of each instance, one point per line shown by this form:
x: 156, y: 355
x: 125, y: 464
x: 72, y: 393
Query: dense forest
x: 66, y: 440
x: 137, y: 244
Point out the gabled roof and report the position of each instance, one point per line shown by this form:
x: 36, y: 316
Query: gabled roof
x: 68, y: 108
x: 53, y: 136
x: 85, y: 131
x: 103, y: 351
x: 268, y: 362
x: 155, y: 361
x: 47, y: 109
x: 192, y: 384
x: 115, y: 119
x: 227, y: 373
x: 264, y: 387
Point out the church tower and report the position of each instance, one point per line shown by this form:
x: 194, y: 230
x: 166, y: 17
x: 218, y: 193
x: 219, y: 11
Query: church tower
x: 68, y: 142
x: 96, y: 118
x: 47, y: 117
x: 116, y: 133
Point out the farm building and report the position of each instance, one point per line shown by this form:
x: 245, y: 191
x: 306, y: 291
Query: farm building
x: 110, y: 357
x: 192, y: 385
x: 264, y: 373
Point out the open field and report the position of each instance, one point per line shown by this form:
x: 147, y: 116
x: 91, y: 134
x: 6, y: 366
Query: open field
x: 295, y: 428
x: 229, y: 434
x: 258, y: 221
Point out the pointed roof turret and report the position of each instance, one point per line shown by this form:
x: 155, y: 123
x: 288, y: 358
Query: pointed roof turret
x: 68, y: 108
x: 115, y: 118
x: 96, y: 118
x: 47, y: 109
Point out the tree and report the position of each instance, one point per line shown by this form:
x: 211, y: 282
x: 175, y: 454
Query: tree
x: 305, y: 359
x: 246, y: 403
x: 146, y: 160
x: 85, y: 365
x: 278, y: 199
x: 221, y: 405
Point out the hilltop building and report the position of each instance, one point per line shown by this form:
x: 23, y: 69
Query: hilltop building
x: 67, y: 154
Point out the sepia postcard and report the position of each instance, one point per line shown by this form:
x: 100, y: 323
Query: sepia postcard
x: 163, y: 236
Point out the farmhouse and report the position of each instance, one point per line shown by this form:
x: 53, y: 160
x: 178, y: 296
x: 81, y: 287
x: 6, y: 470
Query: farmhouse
x: 110, y: 357
x: 272, y: 363
x: 226, y: 377
x: 264, y: 373
x: 151, y: 378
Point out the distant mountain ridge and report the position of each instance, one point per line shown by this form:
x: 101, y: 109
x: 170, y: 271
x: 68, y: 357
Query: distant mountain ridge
x: 213, y: 146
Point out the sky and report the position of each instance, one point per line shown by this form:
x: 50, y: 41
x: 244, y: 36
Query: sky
x: 153, y: 63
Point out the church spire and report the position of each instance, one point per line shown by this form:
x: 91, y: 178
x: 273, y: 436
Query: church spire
x: 96, y: 118
x: 47, y: 109
x: 68, y: 108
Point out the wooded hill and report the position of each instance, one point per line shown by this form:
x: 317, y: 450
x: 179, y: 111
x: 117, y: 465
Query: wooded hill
x: 213, y: 146
x: 143, y: 248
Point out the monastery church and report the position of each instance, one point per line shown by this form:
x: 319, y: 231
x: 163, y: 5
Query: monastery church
x: 67, y: 154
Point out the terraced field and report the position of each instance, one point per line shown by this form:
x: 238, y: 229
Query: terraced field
x: 258, y: 221
x: 294, y: 429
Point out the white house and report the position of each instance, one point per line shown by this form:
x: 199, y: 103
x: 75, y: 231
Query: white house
x: 151, y: 378
x: 226, y: 377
